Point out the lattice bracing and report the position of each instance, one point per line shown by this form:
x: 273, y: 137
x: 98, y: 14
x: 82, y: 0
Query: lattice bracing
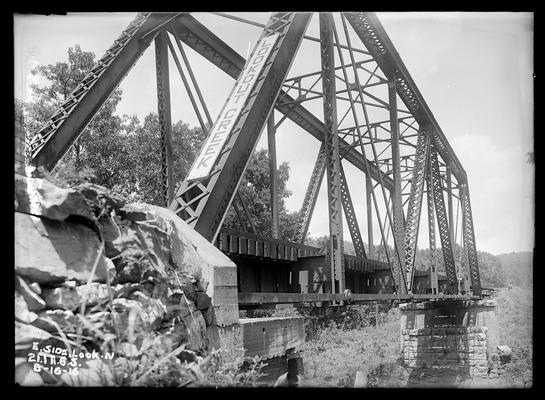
x: 311, y: 194
x: 469, y: 241
x: 351, y: 219
x: 415, y: 204
x: 443, y: 223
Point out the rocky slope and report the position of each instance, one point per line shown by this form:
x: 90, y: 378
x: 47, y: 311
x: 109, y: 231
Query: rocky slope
x: 94, y: 275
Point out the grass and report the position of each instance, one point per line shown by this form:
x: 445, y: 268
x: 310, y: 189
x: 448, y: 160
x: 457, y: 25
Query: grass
x: 514, y: 314
x: 350, y: 342
x: 335, y: 353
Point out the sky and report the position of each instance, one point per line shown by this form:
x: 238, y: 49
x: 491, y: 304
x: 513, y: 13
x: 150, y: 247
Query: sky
x: 475, y: 71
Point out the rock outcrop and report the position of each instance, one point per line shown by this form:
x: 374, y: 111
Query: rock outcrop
x: 91, y: 269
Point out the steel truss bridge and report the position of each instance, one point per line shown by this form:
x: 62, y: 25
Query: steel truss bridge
x: 359, y: 102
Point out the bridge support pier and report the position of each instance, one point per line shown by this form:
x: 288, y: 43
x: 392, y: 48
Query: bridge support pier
x: 455, y: 335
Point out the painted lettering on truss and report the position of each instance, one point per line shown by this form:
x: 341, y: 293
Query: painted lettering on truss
x: 202, y: 166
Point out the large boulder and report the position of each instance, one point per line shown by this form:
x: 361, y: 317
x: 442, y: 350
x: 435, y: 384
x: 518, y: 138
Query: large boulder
x: 143, y: 251
x: 191, y: 254
x: 41, y: 197
x: 100, y: 196
x: 49, y: 251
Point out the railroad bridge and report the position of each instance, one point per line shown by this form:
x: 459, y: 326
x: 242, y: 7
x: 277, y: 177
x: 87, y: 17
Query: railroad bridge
x: 361, y: 104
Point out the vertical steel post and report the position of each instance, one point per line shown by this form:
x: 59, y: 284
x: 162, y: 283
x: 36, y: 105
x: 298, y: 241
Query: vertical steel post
x: 165, y: 123
x: 434, y: 284
x: 332, y: 153
x: 399, y: 223
x: 368, y: 190
x: 271, y: 133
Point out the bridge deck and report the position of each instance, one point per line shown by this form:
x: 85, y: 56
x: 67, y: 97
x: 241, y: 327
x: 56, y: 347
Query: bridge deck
x: 274, y: 271
x: 236, y: 243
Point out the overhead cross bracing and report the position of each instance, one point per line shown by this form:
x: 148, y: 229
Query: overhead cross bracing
x: 335, y: 76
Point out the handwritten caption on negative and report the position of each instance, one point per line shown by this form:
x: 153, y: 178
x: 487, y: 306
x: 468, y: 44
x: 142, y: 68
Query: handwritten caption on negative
x: 58, y: 360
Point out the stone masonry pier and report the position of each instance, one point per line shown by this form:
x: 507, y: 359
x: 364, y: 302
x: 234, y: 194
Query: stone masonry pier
x: 457, y: 335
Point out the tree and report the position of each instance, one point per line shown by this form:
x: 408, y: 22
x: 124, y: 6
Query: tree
x: 140, y: 181
x: 62, y: 78
x: 114, y: 151
x: 517, y: 268
x: 255, y: 192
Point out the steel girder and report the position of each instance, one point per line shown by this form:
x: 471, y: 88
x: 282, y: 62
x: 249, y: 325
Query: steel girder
x: 311, y: 194
x: 165, y: 123
x: 211, y: 47
x: 469, y: 240
x: 443, y: 223
x: 64, y: 127
x: 371, y: 32
x: 204, y: 203
x: 333, y: 161
x: 415, y: 204
x: 350, y: 215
